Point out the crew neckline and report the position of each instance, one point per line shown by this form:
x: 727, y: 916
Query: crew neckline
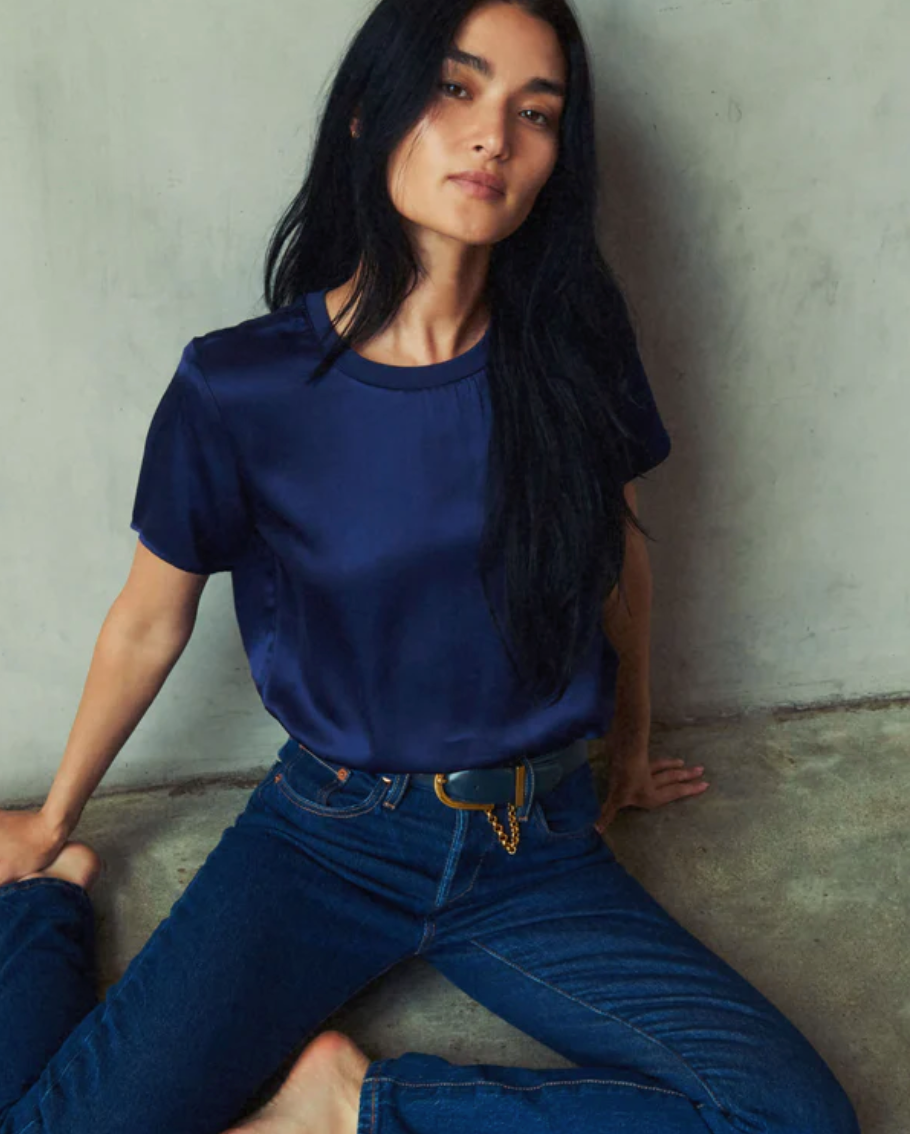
x: 375, y: 373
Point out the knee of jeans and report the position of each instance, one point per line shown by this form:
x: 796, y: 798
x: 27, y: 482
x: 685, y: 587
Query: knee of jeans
x: 843, y: 1118
x: 791, y: 1090
x: 817, y: 1102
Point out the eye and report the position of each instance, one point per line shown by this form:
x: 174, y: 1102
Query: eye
x: 448, y: 83
x: 540, y: 114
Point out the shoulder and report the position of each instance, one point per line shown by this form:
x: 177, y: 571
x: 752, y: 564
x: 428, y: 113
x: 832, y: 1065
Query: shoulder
x: 257, y: 341
x: 261, y: 358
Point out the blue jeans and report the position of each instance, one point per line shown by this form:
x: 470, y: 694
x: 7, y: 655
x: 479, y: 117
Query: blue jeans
x: 320, y: 886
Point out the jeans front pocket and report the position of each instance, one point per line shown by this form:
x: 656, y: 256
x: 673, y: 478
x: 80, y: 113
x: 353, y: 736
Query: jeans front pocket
x: 324, y: 787
x: 572, y: 808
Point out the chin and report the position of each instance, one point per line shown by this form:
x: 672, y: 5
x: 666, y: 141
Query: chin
x: 476, y: 234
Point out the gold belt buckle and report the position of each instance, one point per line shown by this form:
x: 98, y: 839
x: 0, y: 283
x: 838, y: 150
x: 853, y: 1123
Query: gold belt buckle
x: 510, y: 841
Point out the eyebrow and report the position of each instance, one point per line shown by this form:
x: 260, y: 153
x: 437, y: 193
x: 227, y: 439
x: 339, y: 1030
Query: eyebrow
x: 483, y: 66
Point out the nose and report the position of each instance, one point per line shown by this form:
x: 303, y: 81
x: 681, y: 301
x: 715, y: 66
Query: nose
x: 493, y: 134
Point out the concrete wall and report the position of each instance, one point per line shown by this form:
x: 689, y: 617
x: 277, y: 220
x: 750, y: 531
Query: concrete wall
x: 759, y: 212
x: 761, y: 185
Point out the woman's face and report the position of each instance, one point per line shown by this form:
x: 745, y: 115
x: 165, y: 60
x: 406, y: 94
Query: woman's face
x: 484, y: 122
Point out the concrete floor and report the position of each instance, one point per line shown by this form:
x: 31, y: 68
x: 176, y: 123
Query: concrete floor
x: 794, y: 866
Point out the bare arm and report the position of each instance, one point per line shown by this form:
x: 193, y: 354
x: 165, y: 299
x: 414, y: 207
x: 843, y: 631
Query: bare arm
x: 627, y: 624
x: 636, y: 780
x: 143, y: 635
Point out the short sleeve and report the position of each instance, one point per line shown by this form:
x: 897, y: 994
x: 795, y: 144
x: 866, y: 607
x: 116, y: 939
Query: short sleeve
x: 648, y: 443
x: 190, y: 506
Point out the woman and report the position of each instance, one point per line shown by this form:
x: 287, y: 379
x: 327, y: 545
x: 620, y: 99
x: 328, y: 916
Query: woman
x: 417, y: 467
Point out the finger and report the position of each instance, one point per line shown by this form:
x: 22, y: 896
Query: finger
x: 679, y: 791
x: 666, y: 763
x: 671, y: 775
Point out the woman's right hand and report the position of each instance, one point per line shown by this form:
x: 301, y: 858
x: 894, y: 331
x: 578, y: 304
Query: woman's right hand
x: 28, y: 844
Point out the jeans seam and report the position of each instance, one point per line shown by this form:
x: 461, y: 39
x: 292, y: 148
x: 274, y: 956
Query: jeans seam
x: 332, y: 813
x: 534, y: 1086
x: 538, y: 812
x: 429, y: 930
x: 608, y: 1015
x: 373, y: 1107
x: 579, y: 834
x: 468, y: 889
x: 328, y: 767
x: 30, y: 883
x: 128, y: 978
x: 58, y: 1081
x: 436, y: 899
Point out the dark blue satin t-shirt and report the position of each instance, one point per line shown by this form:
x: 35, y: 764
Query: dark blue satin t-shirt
x: 349, y: 514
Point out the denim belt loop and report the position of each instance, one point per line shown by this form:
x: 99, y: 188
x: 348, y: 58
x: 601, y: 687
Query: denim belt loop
x: 399, y: 782
x: 524, y: 810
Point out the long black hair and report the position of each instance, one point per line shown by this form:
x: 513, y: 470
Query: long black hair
x: 561, y: 342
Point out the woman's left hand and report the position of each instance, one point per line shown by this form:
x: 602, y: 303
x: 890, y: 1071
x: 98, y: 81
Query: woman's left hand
x: 638, y: 781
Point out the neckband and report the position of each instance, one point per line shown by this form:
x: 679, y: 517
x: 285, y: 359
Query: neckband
x: 394, y: 377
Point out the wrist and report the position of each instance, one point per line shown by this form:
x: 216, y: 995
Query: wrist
x: 628, y: 744
x: 56, y: 826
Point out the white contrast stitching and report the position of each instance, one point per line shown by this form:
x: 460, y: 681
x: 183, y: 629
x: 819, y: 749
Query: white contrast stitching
x: 608, y: 1015
x: 534, y: 1087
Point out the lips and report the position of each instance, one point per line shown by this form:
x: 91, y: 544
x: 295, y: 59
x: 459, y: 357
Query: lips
x: 489, y: 180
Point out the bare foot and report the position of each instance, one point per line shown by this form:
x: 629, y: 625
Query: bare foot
x: 77, y: 862
x: 321, y: 1094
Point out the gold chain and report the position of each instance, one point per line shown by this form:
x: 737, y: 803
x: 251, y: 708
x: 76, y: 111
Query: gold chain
x: 509, y: 842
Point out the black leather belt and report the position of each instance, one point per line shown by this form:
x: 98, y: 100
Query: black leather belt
x: 481, y: 788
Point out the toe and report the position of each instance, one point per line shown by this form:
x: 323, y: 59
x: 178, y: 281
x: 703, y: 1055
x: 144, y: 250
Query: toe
x: 84, y: 864
x: 76, y: 863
